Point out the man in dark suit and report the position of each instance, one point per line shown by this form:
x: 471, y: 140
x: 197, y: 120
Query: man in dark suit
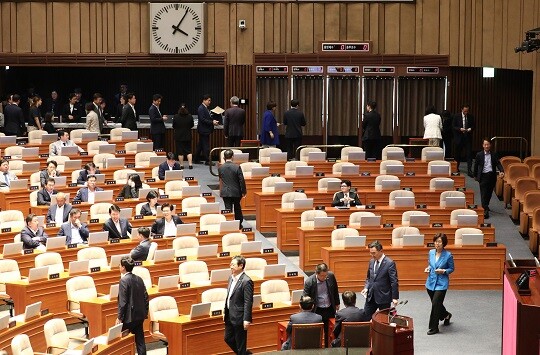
x: 169, y: 164
x: 32, y: 235
x: 238, y: 307
x: 306, y: 316
x: 59, y: 212
x: 294, y: 120
x: 166, y: 226
x: 233, y: 123
x: 350, y: 313
x: 129, y: 115
x: 75, y: 231
x: 381, y: 288
x: 463, y: 125
x: 486, y: 164
x: 14, y: 124
x: 233, y: 185
x: 132, y: 303
x: 157, y: 125
x: 97, y: 99
x: 371, y: 124
x: 205, y: 127
x: 84, y: 193
x: 322, y: 287
x: 44, y: 195
x: 71, y: 111
x: 346, y: 197
x: 52, y: 105
x: 140, y: 252
x: 117, y: 227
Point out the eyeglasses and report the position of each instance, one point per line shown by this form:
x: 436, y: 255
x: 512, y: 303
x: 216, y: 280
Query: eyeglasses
x: 344, y: 186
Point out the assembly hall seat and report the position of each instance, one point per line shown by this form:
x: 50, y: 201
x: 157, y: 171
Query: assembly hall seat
x: 379, y: 179
x: 195, y: 272
x: 406, y: 216
x: 13, y: 219
x: 346, y: 150
x: 193, y: 204
x: 215, y: 296
x: 322, y: 184
x: 460, y: 211
x: 76, y: 135
x: 222, y: 158
x: 161, y: 308
x: 445, y: 194
x: 121, y: 176
x: 514, y: 171
x: 116, y: 133
x: 430, y: 149
x: 144, y: 274
x: 247, y: 167
x: 287, y: 199
x: 51, y: 259
x: 231, y: 242
x: 337, y: 167
x: 275, y: 291
x: 269, y: 182
x: 460, y: 231
x: 385, y: 163
x: 399, y: 232
x: 57, y: 336
x: 307, y: 217
x: 142, y: 159
x: 398, y: 193
x: 100, y: 210
x: 304, y: 152
x: 290, y: 167
x: 505, y: 161
x: 523, y: 185
x: 438, y: 162
x: 211, y: 222
x: 34, y: 137
x: 185, y: 246
x: 174, y: 188
x: 338, y: 236
x: 355, y: 219
x: 264, y: 154
x: 433, y: 183
x: 255, y: 267
x: 391, y: 149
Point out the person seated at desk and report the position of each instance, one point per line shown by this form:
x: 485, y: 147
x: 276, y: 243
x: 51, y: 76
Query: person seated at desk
x: 350, y: 313
x: 118, y: 228
x: 75, y: 231
x: 150, y: 208
x: 89, y: 169
x: 63, y: 141
x: 50, y: 172
x: 59, y: 212
x: 169, y: 164
x: 6, y: 176
x: 140, y: 252
x: 346, y: 197
x: 166, y: 226
x: 131, y: 189
x: 33, y: 236
x: 86, y: 194
x: 44, y: 195
x: 306, y: 316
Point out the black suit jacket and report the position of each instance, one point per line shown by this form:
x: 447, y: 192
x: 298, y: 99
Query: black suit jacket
x: 43, y: 197
x: 233, y: 122
x: 132, y: 299
x: 27, y: 238
x: 383, y: 287
x: 140, y: 252
x: 371, y: 124
x: 129, y: 120
x: 241, y: 302
x: 157, y: 126
x: 310, y: 289
x: 293, y: 119
x: 158, y: 227
x: 101, y: 116
x: 77, y: 113
x: 182, y: 125
x: 232, y: 180
x: 125, y: 227
x: 163, y: 167
x: 83, y: 176
x: 14, y: 123
x: 205, y: 125
x: 146, y: 210
x: 339, y: 195
x: 126, y: 192
x: 458, y: 125
x: 479, y: 164
x: 348, y: 314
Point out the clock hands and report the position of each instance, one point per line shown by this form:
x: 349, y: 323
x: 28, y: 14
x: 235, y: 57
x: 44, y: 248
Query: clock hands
x: 177, y: 27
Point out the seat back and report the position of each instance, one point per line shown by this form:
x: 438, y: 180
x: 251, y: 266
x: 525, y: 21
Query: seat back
x: 532, y: 161
x: 307, y: 336
x: 287, y: 199
x: 185, y: 246
x: 385, y: 163
x: 193, y: 271
x: 515, y: 171
x: 93, y: 147
x: 438, y: 162
x: 152, y: 251
x: 445, y: 194
x: 95, y: 255
x: 264, y: 154
x: 20, y: 345
x: 192, y: 204
x: 460, y: 211
x: 336, y: 168
x: 398, y: 193
x: 269, y: 182
x: 9, y: 272
x: 142, y: 159
x: 255, y: 267
x: 356, y: 217
x: 391, y: 149
x: 13, y: 151
x: 379, y: 179
x: 304, y: 152
x: 13, y: 219
x: 121, y: 176
x: 246, y: 168
x: 346, y: 150
x: 35, y: 179
x: 531, y: 200
x: 76, y: 135
x: 80, y: 288
x: 56, y: 333
x: 210, y: 222
x: 524, y: 184
x: 116, y: 133
x: 338, y: 236
x: 15, y: 166
x: 290, y: 167
x: 322, y: 184
x: 100, y: 159
x: 33, y: 198
x: 430, y: 149
x: 174, y: 188
x: 307, y: 217
x: 100, y: 210
x: 51, y: 259
x: 222, y: 158
x: 406, y: 216
x: 399, y: 232
x: 216, y: 296
x: 35, y: 136
x: 461, y: 231
x: 160, y: 308
x: 356, y: 334
x: 433, y: 182
x: 231, y: 242
x: 535, y: 173
x: 275, y: 291
x: 131, y: 147
x: 144, y: 274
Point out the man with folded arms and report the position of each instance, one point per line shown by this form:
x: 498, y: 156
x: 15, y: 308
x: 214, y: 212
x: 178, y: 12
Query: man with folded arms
x: 59, y: 212
x: 75, y: 231
x: 32, y: 235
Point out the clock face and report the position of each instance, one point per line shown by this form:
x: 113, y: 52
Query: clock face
x: 177, y: 28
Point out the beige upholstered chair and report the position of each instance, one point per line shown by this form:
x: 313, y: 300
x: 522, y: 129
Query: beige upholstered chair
x: 131, y: 147
x: 9, y: 272
x: 174, y: 188
x: 51, y: 259
x: 96, y: 256
x: 287, y: 199
x: 185, y: 246
x: 379, y: 179
x: 255, y: 267
x: 336, y: 168
x: 60, y: 160
x: 116, y: 133
x: 338, y: 236
x: 100, y: 210
x: 33, y: 198
x: 460, y: 211
x: 445, y: 194
x: 406, y: 216
x: 152, y: 251
x: 14, y: 151
x: 275, y: 291
x: 144, y: 274
x: 264, y: 154
x: 290, y: 167
x: 433, y: 182
x: 121, y: 176
x: 161, y: 308
x: 76, y: 135
x: 80, y: 288
x: 34, y: 137
x: 322, y: 184
x: 346, y: 150
x: 399, y: 232
x: 100, y: 159
x: 142, y: 159
x: 75, y: 175
x: 385, y: 163
x: 20, y: 345
x: 216, y: 296
x: 355, y: 219
x: 210, y: 222
x: 57, y: 336
x: 247, y: 167
x: 304, y: 152
x: 438, y: 162
x: 155, y: 172
x: 93, y: 147
x: 222, y: 159
x: 231, y: 242
x: 430, y: 149
x: 13, y: 219
x: 16, y: 166
x: 398, y: 193
x: 391, y: 149
x: 307, y: 217
x: 193, y: 204
x: 195, y: 272
x: 461, y: 231
x: 269, y: 182
x: 35, y: 179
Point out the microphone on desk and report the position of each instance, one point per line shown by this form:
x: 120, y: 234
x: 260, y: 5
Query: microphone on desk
x: 537, y: 262
x: 395, y: 313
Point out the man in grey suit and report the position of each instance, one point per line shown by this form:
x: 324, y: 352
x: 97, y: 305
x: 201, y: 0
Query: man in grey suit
x: 86, y: 194
x: 63, y: 141
x: 140, y: 252
x: 233, y: 185
x: 294, y: 120
x: 59, y: 212
x: 132, y: 303
x: 350, y: 313
x: 118, y: 228
x: 306, y: 316
x: 6, y: 176
x: 44, y: 195
x: 234, y: 119
x: 238, y: 307
x: 75, y: 231
x: 381, y: 288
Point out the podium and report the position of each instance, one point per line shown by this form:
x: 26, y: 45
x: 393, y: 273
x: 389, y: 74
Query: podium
x: 389, y: 338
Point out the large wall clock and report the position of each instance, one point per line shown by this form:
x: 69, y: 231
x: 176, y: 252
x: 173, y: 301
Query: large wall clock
x: 177, y: 28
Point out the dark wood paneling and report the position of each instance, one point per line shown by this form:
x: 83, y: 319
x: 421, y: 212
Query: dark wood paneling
x: 239, y: 82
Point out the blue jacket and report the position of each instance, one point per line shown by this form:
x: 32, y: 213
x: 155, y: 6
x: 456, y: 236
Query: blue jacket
x: 269, y: 125
x: 439, y: 282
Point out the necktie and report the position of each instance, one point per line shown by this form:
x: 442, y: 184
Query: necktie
x: 6, y: 178
x: 465, y: 122
x: 64, y: 144
x: 376, y: 267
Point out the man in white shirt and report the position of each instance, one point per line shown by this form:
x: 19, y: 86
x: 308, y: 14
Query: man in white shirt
x: 59, y: 212
x: 63, y: 141
x: 86, y: 194
x: 166, y: 226
x: 118, y: 228
x: 6, y: 176
x: 75, y: 231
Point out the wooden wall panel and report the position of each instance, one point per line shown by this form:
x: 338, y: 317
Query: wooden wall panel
x: 355, y: 22
x: 408, y: 29
x: 318, y: 31
x: 5, y: 27
x: 38, y: 16
x: 23, y: 28
x: 268, y: 28
x: 258, y: 28
x: 134, y: 12
x: 305, y: 22
x: 61, y: 28
x: 145, y: 29
x: 392, y: 31
x: 75, y: 27
x: 245, y: 38
x: 331, y: 22
x: 430, y: 27
x: 221, y: 25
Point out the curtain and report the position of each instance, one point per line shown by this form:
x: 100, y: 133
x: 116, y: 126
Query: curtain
x: 414, y: 95
x: 272, y: 89
x: 381, y: 90
x: 309, y: 91
x: 343, y: 105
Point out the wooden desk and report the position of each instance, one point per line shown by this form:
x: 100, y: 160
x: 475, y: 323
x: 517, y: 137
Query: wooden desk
x: 476, y: 267
x: 101, y: 313
x: 288, y: 220
x: 312, y: 240
x: 123, y: 346
x: 266, y: 203
x: 205, y: 335
x: 33, y: 328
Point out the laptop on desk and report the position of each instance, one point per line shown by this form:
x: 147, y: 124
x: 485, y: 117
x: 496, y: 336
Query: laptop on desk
x: 333, y: 185
x: 350, y: 170
x: 100, y: 178
x: 30, y: 152
x: 115, y: 259
x: 146, y: 147
x: 21, y: 184
x: 413, y: 240
x: 70, y: 165
x: 250, y: 247
x: 78, y: 267
x: 164, y: 255
x: 260, y: 171
x: 229, y: 226
x: 440, y: 170
x: 30, y: 167
x: 467, y: 220
x: 155, y: 161
x: 303, y: 204
x: 472, y: 239
x: 12, y: 140
x: 32, y: 310
x: 306, y: 170
x: 404, y: 201
x: 114, y: 332
x: 211, y: 207
x: 316, y: 156
x: 144, y: 192
x: 278, y: 157
x: 174, y: 175
x: 12, y: 249
x: 103, y: 196
x: 447, y: 185
x: 86, y: 350
x: 323, y: 222
x: 60, y: 181
x: 200, y: 310
x: 191, y: 191
x: 282, y: 187
x: 396, y: 169
x: 38, y: 274
x: 56, y: 243
x: 130, y: 135
x: 395, y: 155
x: 72, y: 150
x: 49, y: 138
x: 419, y: 220
x: 274, y: 270
x: 168, y: 282
x: 434, y: 155
x: 356, y: 156
x: 457, y: 201
x: 126, y: 212
x: 186, y: 229
x: 354, y: 241
x: 205, y: 251
x: 107, y: 148
x: 116, y: 163
x: 89, y: 136
x: 95, y: 238
x: 391, y: 184
x: 370, y: 221
x: 240, y: 158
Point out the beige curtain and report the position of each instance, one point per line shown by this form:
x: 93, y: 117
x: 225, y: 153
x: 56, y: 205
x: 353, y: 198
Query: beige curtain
x: 309, y: 91
x: 343, y: 105
x: 414, y: 95
x: 381, y: 90
x: 272, y: 89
